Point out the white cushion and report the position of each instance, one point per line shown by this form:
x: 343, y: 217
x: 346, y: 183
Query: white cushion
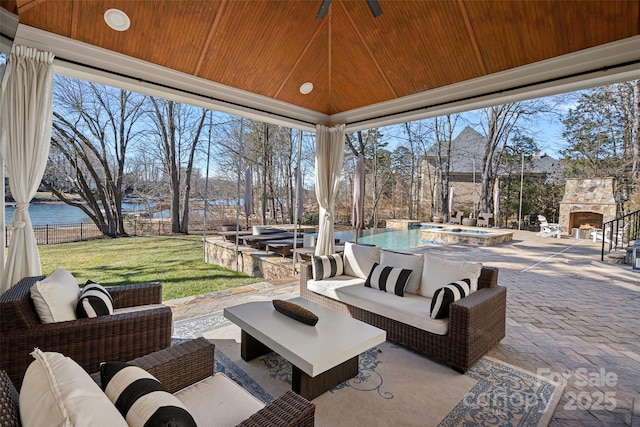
x: 359, y: 259
x: 56, y: 391
x: 412, y: 309
x: 218, y: 401
x: 438, y: 272
x: 413, y: 262
x: 328, y: 287
x: 55, y: 297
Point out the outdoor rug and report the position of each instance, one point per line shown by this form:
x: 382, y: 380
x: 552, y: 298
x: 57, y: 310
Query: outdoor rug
x: 396, y: 386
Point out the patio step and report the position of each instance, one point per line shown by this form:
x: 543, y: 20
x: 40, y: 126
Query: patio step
x: 617, y: 257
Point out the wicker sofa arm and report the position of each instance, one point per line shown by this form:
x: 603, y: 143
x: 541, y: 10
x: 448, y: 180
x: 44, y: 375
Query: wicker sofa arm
x: 178, y: 366
x: 288, y: 410
x: 136, y: 294
x: 475, y: 314
x: 306, y: 272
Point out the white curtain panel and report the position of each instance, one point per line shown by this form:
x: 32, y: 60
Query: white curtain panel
x: 25, y: 136
x: 329, y: 158
x: 357, y: 216
x: 248, y: 192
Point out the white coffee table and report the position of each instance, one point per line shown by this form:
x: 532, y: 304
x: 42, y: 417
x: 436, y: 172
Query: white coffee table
x: 322, y: 356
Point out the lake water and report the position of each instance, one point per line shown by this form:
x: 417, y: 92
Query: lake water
x: 51, y: 213
x: 61, y: 213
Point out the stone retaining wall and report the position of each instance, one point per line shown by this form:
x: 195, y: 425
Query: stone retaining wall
x: 251, y: 261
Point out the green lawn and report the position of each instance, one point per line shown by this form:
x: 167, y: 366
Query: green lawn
x: 176, y: 262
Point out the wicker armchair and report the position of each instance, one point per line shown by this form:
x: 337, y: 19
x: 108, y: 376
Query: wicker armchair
x: 139, y: 325
x: 176, y: 368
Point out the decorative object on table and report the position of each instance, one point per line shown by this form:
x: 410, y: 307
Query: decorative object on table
x: 295, y: 312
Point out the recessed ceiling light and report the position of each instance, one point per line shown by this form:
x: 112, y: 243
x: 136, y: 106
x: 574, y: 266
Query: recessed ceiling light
x: 117, y: 19
x: 306, y: 88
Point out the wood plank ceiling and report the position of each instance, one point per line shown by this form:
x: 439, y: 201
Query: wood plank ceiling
x: 271, y: 47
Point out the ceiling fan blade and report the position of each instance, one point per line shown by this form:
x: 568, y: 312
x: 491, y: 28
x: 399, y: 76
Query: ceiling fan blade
x: 324, y: 7
x: 375, y: 7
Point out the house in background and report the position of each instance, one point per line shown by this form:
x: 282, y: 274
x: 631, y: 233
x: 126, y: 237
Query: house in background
x: 465, y: 172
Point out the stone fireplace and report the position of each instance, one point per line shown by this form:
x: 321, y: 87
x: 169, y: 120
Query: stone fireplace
x: 587, y: 203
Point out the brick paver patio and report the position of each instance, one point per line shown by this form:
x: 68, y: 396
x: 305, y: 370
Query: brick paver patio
x: 570, y: 317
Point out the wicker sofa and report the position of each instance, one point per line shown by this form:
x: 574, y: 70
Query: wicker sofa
x: 177, y: 368
x: 140, y: 325
x: 476, y: 323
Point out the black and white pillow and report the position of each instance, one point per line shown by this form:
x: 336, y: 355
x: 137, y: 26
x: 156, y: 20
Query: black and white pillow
x: 141, y: 399
x: 444, y: 296
x: 388, y: 279
x: 94, y: 301
x: 327, y: 266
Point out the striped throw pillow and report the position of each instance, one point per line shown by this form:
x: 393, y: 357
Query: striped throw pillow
x: 94, y: 301
x: 388, y: 279
x: 327, y: 266
x: 444, y: 296
x: 141, y: 399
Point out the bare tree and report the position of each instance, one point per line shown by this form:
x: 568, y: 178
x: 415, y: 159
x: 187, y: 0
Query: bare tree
x: 93, y: 127
x: 444, y: 128
x: 178, y: 129
x: 636, y: 130
x: 501, y: 123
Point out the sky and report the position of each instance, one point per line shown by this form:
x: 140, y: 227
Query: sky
x: 546, y: 130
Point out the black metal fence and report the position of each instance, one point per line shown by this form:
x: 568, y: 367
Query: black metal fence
x: 76, y: 232
x: 619, y: 232
x: 51, y: 234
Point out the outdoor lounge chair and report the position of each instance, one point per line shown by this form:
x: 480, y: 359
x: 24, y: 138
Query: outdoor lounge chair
x: 259, y: 241
x: 456, y: 217
x: 548, y: 229
x: 484, y: 218
x: 140, y: 324
x: 282, y: 247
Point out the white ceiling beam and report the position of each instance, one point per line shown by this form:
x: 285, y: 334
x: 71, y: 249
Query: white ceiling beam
x: 592, y: 67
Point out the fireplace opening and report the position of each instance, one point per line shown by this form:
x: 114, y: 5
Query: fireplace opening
x: 585, y: 220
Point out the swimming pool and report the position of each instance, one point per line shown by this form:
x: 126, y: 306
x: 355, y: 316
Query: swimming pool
x: 427, y: 235
x: 389, y: 239
x: 472, y: 236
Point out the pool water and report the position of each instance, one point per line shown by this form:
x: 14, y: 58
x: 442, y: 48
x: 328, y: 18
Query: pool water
x: 464, y: 230
x: 388, y: 239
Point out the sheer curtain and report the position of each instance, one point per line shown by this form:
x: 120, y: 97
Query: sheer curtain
x: 25, y: 134
x: 329, y: 157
